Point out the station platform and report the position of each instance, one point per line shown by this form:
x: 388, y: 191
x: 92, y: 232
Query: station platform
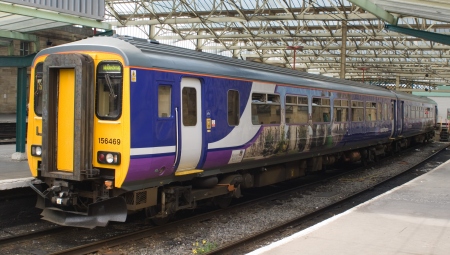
x: 411, y: 219
x: 13, y: 173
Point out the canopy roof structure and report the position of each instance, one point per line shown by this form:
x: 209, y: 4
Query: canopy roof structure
x: 20, y: 19
x: 340, y: 38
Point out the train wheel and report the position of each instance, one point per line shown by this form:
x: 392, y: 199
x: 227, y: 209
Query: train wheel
x: 151, y: 213
x: 223, y: 201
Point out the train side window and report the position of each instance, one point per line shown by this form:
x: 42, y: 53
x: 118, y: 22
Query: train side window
x: 265, y: 109
x: 371, y: 111
x: 427, y: 112
x: 233, y: 108
x: 321, y: 110
x: 109, y: 90
x: 357, y: 111
x: 340, y: 110
x: 385, y: 112
x: 296, y: 111
x: 406, y: 111
x: 379, y: 111
x: 38, y: 78
x: 392, y: 112
x: 189, y: 98
x: 164, y: 101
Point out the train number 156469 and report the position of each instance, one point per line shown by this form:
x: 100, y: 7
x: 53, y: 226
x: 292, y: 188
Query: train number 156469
x: 104, y: 140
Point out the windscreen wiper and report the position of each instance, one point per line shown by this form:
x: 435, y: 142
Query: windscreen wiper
x: 108, y: 82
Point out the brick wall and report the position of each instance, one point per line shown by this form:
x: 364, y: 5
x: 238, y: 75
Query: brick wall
x: 8, y: 75
x: 8, y: 90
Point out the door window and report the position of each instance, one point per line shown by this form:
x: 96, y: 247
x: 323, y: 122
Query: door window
x: 189, y: 97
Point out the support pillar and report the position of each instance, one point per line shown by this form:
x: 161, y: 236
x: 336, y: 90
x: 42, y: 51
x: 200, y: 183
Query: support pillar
x: 343, y: 49
x: 397, y: 82
x: 21, y: 114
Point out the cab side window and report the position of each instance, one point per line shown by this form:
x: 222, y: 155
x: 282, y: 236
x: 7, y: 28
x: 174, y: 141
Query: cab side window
x: 38, y: 79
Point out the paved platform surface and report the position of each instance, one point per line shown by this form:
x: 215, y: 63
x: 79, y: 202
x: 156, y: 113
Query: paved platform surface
x: 13, y: 173
x: 411, y: 219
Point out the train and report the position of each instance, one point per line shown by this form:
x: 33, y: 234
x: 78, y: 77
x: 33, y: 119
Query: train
x: 120, y: 125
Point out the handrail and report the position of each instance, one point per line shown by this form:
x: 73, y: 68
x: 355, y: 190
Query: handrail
x: 176, y: 135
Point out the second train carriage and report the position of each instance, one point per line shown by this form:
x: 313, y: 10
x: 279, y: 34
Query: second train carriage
x: 122, y: 124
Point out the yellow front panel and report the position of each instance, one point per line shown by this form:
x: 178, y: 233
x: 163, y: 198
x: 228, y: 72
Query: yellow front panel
x: 34, y: 124
x: 65, y: 133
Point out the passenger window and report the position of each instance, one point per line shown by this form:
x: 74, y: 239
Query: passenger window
x: 357, y: 111
x: 296, y: 109
x: 321, y: 110
x: 385, y: 111
x: 265, y: 109
x: 233, y: 108
x: 38, y: 79
x: 189, y: 98
x: 164, y: 101
x: 379, y: 111
x: 340, y: 110
x: 391, y: 112
x: 371, y: 111
x: 109, y: 90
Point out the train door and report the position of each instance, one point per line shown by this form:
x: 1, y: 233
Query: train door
x: 68, y: 101
x: 190, y: 148
x: 65, y: 119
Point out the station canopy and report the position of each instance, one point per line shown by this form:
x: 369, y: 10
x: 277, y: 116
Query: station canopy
x: 316, y: 32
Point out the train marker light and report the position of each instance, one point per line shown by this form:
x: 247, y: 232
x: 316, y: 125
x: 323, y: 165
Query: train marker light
x: 36, y: 150
x: 106, y: 157
x: 108, y: 184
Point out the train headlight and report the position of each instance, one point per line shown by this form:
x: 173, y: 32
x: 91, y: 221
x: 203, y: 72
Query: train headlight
x: 36, y: 150
x: 107, y: 157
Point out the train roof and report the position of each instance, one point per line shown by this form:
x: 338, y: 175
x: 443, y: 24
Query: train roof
x: 143, y: 53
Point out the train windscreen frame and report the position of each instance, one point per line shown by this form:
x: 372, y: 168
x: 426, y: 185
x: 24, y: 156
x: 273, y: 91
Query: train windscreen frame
x: 108, y: 92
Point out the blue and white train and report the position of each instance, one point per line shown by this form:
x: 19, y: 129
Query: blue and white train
x: 123, y: 124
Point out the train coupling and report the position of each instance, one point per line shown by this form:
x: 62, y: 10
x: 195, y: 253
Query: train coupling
x: 58, y: 202
x: 99, y: 214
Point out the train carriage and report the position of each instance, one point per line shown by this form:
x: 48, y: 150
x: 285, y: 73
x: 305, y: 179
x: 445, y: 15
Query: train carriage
x: 124, y: 124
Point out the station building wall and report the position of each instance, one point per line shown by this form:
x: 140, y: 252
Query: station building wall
x: 8, y: 75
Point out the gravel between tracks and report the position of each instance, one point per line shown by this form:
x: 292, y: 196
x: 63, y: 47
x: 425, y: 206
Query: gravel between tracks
x: 231, y: 226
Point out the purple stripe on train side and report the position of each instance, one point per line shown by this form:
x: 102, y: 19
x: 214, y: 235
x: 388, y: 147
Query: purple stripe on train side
x: 144, y: 168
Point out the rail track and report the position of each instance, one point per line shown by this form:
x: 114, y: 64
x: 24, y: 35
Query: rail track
x: 7, y: 130
x: 118, y: 240
x: 226, y: 249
